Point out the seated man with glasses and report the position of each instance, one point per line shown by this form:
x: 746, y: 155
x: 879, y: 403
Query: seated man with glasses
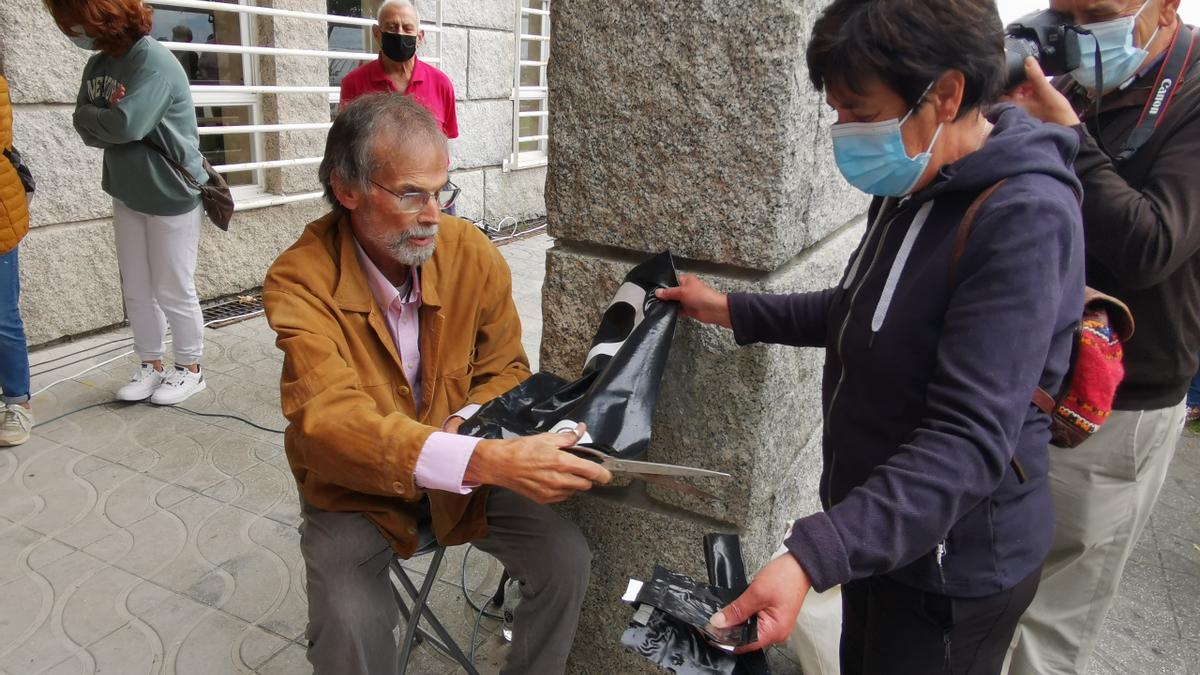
x: 396, y: 321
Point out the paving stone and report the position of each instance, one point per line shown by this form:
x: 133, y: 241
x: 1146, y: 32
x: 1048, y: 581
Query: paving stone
x: 132, y: 648
x: 76, y: 664
x: 225, y: 491
x: 189, y: 572
x: 171, y: 620
x: 171, y: 495
x: 1181, y: 588
x: 35, y: 617
x: 26, y: 603
x: 133, y: 500
x: 198, y: 638
x: 258, y: 579
x: 52, y: 511
x: 1133, y: 649
x: 258, y: 646
x: 50, y: 469
x: 110, y: 433
x: 96, y: 606
x: 47, y: 551
x: 289, y: 616
x: 145, y: 547
x: 259, y: 489
x: 231, y: 454
x: 14, y: 540
x: 290, y: 661
x: 1179, y: 553
x: 209, y: 644
x: 287, y: 511
x: 183, y: 461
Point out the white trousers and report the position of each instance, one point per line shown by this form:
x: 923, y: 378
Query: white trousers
x: 157, y: 257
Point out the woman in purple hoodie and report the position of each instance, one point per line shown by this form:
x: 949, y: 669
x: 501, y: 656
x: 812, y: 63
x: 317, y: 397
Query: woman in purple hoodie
x: 937, y: 513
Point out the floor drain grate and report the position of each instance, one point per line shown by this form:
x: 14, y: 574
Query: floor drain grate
x: 232, y: 311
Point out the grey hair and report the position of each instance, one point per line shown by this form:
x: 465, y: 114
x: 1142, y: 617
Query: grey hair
x: 398, y: 3
x: 351, y: 148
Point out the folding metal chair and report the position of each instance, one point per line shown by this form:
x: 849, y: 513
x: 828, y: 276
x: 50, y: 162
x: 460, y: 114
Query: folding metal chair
x: 416, y: 611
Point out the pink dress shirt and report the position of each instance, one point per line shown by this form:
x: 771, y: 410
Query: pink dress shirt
x: 444, y: 457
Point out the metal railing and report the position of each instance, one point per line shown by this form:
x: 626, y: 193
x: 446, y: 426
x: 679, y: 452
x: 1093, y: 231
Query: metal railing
x: 522, y: 94
x: 257, y: 130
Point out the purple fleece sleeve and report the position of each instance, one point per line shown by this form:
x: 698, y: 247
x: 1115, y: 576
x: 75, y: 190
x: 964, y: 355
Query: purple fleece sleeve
x: 798, y: 319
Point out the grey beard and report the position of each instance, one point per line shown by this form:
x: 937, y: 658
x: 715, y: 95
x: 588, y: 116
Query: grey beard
x: 407, y: 254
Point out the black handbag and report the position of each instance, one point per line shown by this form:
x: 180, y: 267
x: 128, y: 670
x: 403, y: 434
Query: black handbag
x: 214, y: 195
x: 23, y: 172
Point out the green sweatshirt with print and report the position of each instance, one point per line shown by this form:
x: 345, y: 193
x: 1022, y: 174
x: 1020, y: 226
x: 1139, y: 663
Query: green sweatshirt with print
x: 157, y: 106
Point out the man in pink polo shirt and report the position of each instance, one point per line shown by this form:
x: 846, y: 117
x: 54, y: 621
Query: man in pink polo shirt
x: 398, y: 33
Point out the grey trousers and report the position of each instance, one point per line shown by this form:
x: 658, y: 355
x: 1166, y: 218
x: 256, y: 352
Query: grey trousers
x: 1104, y: 491
x: 352, y: 613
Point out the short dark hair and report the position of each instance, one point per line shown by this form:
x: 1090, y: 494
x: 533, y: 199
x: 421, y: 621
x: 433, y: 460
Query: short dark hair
x: 350, y: 149
x: 907, y: 44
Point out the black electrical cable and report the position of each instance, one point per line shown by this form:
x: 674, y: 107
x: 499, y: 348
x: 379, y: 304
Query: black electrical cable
x: 71, y: 363
x: 72, y: 412
x: 467, y: 594
x: 130, y: 403
x: 474, y: 635
x: 80, y: 351
x: 224, y: 320
x: 227, y: 416
x: 481, y: 610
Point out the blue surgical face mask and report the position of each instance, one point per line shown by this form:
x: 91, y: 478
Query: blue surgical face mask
x: 872, y: 157
x: 1119, y: 59
x: 82, y: 39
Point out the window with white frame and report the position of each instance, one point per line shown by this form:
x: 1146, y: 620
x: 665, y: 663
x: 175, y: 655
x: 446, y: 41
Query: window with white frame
x: 214, y: 41
x: 531, y: 110
x: 346, y: 38
x: 221, y: 106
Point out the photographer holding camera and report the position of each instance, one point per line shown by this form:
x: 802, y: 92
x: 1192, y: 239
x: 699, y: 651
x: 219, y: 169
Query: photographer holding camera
x: 1136, y: 109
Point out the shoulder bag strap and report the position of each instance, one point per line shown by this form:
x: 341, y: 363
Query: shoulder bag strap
x: 184, y: 173
x: 964, y: 227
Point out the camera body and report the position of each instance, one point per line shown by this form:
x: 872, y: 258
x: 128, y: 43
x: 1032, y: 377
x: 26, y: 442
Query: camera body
x: 1048, y: 36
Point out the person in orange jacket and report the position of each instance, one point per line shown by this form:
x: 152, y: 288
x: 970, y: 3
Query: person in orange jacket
x: 16, y: 414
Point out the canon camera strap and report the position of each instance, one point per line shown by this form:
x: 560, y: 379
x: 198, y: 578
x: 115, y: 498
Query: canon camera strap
x: 1170, y: 75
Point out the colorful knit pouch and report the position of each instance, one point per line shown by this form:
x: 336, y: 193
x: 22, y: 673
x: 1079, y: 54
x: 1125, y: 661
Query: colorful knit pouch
x: 1096, y: 371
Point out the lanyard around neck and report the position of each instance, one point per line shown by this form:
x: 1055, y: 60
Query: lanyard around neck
x: 1170, y: 75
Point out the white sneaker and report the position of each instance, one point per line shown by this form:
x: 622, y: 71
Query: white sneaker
x: 142, y: 384
x: 16, y: 421
x: 179, y: 384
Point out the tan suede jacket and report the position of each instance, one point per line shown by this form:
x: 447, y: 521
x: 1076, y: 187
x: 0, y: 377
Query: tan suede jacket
x: 354, y: 434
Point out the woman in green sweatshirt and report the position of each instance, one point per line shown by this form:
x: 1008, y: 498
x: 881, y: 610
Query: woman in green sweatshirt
x: 135, y: 96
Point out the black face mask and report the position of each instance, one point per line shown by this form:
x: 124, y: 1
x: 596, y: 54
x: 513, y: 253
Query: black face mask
x: 398, y: 47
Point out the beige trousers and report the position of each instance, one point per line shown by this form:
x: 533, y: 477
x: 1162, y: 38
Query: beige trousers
x: 1104, y: 492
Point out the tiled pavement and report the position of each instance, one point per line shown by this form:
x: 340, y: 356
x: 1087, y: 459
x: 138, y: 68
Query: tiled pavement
x: 140, y: 539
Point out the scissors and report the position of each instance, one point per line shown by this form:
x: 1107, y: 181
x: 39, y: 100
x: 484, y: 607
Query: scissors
x: 651, y: 472
x: 638, y: 469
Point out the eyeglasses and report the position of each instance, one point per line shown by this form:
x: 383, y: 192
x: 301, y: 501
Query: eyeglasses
x: 413, y: 202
